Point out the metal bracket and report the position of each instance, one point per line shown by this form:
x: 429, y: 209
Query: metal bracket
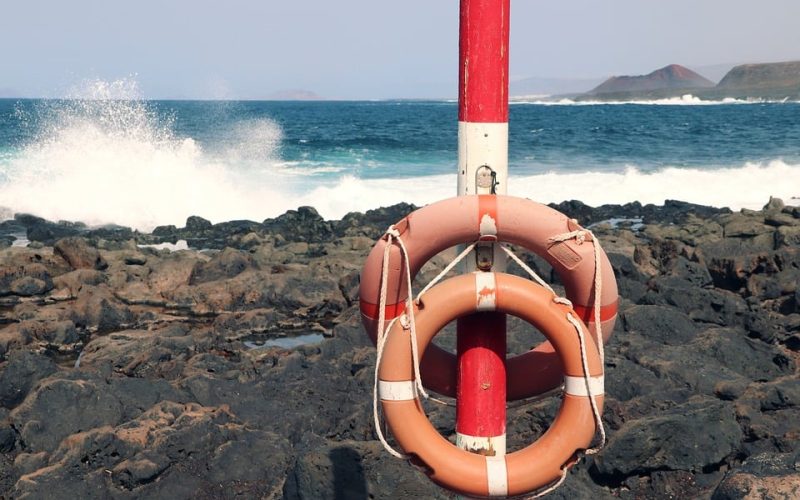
x: 486, y: 180
x: 484, y: 256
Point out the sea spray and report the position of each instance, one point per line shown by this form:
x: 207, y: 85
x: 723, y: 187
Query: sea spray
x: 749, y: 186
x: 107, y: 156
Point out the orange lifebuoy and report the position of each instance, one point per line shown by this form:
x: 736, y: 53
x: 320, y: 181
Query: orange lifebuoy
x: 518, y: 221
x: 520, y: 472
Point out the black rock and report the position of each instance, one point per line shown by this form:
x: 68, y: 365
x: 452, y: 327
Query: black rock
x: 689, y: 437
x: 303, y: 224
x: 22, y: 370
x: 661, y: 324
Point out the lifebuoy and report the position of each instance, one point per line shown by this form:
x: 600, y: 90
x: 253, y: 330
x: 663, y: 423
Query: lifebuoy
x: 520, y: 472
x: 518, y: 221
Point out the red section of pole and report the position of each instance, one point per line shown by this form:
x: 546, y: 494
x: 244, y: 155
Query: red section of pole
x: 481, y: 398
x: 483, y: 99
x: 483, y: 61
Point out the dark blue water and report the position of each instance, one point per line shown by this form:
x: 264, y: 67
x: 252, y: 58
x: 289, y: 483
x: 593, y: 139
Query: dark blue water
x: 314, y: 149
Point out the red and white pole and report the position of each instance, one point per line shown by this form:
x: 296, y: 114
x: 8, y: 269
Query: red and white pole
x: 483, y: 169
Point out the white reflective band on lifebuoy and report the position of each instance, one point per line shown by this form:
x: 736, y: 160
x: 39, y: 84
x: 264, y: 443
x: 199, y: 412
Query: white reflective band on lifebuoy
x: 397, y: 391
x: 577, y: 386
x: 485, y: 292
x: 497, y: 476
x: 488, y: 226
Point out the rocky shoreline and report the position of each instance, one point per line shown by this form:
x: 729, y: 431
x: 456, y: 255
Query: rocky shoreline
x: 127, y: 371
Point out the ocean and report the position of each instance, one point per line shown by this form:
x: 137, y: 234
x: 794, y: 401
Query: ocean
x: 103, y: 158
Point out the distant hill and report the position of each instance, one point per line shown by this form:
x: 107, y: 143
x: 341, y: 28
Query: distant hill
x: 767, y: 76
x: 673, y: 76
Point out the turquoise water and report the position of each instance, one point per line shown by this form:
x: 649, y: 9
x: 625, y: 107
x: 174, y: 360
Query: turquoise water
x: 144, y: 163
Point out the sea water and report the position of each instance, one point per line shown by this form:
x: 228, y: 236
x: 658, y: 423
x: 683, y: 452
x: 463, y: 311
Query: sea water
x: 108, y: 156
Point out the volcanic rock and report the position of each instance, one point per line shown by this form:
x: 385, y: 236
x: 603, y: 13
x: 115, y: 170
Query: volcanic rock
x: 152, y: 377
x: 673, y: 76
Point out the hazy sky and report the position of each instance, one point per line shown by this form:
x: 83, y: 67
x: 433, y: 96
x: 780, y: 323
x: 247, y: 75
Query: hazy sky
x: 365, y: 48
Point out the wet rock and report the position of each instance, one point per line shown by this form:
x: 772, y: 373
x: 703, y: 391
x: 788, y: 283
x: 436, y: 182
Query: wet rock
x: 79, y: 255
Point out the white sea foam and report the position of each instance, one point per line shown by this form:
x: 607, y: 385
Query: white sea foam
x: 747, y: 186
x: 99, y: 159
x: 684, y: 100
x: 172, y: 247
x: 105, y: 158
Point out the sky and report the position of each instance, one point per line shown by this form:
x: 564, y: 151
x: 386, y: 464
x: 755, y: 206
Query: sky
x: 368, y: 49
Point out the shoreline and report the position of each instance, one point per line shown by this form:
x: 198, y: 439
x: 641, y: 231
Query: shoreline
x: 130, y: 371
x: 199, y: 233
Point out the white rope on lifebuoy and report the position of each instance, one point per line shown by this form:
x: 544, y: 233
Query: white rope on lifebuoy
x: 408, y: 322
x: 580, y: 237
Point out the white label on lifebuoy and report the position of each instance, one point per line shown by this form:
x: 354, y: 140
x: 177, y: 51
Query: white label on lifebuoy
x: 577, y: 386
x: 397, y: 391
x: 485, y: 292
x: 497, y: 475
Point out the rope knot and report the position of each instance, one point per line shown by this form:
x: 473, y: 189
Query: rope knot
x: 393, y: 232
x: 563, y: 300
x: 404, y: 322
x: 580, y: 237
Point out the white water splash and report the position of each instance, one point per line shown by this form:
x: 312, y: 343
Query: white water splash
x: 107, y: 157
x: 748, y: 186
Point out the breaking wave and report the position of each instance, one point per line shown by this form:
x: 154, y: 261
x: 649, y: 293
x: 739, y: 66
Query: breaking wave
x: 748, y: 186
x: 106, y: 156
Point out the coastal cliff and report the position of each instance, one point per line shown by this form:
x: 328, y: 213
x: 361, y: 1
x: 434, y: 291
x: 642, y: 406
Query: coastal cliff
x: 771, y: 81
x: 769, y: 78
x: 673, y: 76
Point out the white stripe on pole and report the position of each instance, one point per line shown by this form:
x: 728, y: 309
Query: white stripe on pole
x: 482, y: 144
